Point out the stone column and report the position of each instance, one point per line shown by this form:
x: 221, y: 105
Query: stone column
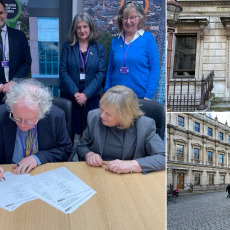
x: 202, y: 25
x: 171, y: 144
x: 204, y: 151
x: 189, y: 151
x: 226, y: 21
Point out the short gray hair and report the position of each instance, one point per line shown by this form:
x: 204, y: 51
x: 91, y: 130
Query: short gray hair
x: 72, y: 36
x: 126, y: 8
x: 33, y: 93
x: 125, y: 103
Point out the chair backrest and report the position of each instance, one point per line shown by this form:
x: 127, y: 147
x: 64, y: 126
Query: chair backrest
x: 156, y: 111
x: 65, y: 105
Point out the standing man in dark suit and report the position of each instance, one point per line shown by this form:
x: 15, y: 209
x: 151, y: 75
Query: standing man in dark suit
x: 15, y: 55
x: 32, y: 130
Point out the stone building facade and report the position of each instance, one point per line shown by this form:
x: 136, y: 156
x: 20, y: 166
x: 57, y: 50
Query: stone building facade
x: 201, y: 43
x: 198, y: 152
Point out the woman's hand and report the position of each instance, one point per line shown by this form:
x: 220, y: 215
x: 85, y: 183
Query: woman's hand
x: 93, y: 159
x: 1, y: 173
x: 81, y: 98
x: 119, y: 166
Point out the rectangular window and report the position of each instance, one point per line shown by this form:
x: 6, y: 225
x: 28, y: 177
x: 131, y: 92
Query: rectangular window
x: 180, y: 121
x: 48, y: 48
x: 196, y: 154
x: 185, y: 56
x: 211, y: 179
x: 221, y: 159
x: 180, y: 150
x: 210, y: 132
x: 221, y: 136
x: 229, y: 139
x: 197, y: 179
x: 209, y: 156
x: 222, y: 179
x: 196, y: 127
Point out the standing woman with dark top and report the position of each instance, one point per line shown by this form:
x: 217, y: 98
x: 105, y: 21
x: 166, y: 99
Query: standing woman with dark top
x: 82, y: 70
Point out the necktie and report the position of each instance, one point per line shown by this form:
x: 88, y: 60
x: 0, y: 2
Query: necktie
x: 29, y: 141
x: 1, y: 43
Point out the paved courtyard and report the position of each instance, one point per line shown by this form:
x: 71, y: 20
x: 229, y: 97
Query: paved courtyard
x: 199, y: 211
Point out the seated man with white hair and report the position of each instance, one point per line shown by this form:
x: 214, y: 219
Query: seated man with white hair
x: 32, y: 130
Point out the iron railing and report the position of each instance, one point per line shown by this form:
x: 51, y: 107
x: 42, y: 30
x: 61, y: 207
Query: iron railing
x: 186, y: 97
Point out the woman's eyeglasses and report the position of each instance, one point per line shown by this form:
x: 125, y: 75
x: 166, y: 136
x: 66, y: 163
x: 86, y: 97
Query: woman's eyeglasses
x: 20, y: 120
x: 132, y: 18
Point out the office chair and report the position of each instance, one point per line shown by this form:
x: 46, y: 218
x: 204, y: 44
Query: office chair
x: 66, y: 106
x: 156, y: 111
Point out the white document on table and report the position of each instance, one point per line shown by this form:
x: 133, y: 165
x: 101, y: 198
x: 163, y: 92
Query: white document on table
x: 61, y: 189
x: 13, y: 190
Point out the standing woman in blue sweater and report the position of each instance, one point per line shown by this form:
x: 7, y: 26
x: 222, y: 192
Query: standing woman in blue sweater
x: 133, y: 58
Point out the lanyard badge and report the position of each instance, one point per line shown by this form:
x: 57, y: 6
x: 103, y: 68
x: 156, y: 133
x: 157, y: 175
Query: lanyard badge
x: 4, y: 63
x: 124, y: 69
x: 82, y: 75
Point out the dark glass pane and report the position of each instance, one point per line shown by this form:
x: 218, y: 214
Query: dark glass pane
x: 48, y: 51
x: 180, y: 150
x: 41, y: 50
x: 55, y: 51
x: 42, y: 68
x: 186, y: 45
x: 180, y: 121
x: 210, y: 132
x: 49, y: 68
x: 196, y: 154
x: 210, y: 156
x: 55, y: 68
x: 186, y: 62
x: 197, y: 179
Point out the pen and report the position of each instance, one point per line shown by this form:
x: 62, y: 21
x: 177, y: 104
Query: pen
x: 4, y: 178
x: 104, y: 164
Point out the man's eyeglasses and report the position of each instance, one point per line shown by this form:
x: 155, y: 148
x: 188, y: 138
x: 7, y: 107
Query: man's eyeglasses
x: 131, y: 18
x: 20, y: 120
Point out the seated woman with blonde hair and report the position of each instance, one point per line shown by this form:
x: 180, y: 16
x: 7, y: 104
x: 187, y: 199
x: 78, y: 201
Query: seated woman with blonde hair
x: 118, y: 132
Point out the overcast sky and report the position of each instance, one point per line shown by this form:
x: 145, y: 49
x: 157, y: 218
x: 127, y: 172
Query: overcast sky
x: 222, y: 117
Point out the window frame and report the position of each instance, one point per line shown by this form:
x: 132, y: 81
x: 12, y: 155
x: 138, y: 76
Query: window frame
x: 195, y: 179
x: 221, y: 135
x: 221, y: 179
x: 211, y: 155
x: 175, y: 57
x: 178, y: 122
x: 208, y: 132
x: 182, y: 151
x: 211, y: 178
x: 195, y: 127
x: 194, y: 154
x: 221, y: 158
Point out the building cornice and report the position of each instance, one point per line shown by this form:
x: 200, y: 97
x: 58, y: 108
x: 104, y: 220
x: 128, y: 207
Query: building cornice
x: 204, y: 3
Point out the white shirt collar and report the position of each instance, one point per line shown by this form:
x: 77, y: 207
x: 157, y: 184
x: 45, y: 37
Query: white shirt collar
x: 137, y: 34
x: 4, y: 28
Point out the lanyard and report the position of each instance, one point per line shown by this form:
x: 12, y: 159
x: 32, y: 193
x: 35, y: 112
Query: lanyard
x: 82, y: 60
x: 23, y: 148
x: 4, y: 49
x: 125, y: 52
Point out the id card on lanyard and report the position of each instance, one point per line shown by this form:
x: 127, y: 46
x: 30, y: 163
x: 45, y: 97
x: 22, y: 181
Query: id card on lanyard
x: 4, y: 63
x: 82, y: 75
x: 124, y: 69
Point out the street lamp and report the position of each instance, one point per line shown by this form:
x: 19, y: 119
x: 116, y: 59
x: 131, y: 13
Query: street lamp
x: 173, y: 12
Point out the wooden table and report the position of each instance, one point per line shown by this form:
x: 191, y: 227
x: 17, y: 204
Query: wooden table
x: 126, y: 201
